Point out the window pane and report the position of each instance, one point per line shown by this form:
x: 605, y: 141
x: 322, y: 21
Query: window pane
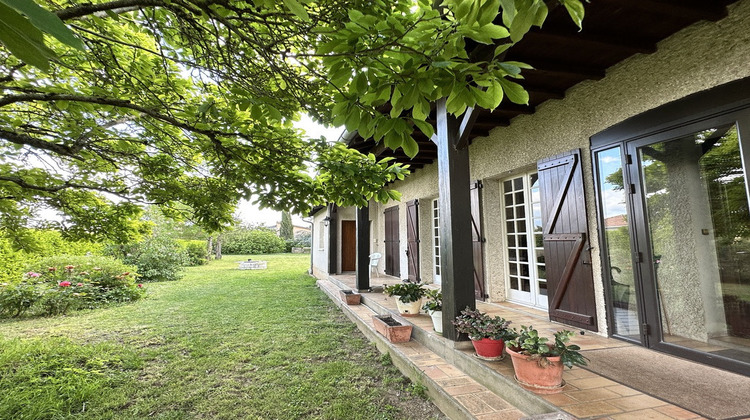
x: 525, y: 285
x: 617, y: 239
x: 697, y: 209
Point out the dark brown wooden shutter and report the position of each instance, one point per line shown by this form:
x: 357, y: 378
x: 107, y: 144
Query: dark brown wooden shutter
x: 392, y: 257
x: 477, y: 237
x: 570, y: 281
x: 412, y: 240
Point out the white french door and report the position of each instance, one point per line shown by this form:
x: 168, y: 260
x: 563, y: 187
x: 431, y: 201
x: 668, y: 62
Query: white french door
x: 524, y: 250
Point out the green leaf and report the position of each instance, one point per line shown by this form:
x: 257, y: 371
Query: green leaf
x: 355, y: 15
x: 410, y: 146
x: 295, y: 7
x: 495, y: 31
x: 484, y: 99
x: 23, y: 40
x: 441, y: 64
x: 575, y: 10
x: 501, y: 49
x: 495, y: 92
x: 488, y: 11
x: 515, y: 92
x: 46, y: 21
x: 360, y: 83
x: 425, y: 127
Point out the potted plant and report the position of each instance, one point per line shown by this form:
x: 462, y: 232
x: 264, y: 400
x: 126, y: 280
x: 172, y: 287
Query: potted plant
x: 408, y: 297
x: 487, y: 334
x: 538, y: 363
x: 392, y: 330
x: 434, y: 307
x: 350, y: 297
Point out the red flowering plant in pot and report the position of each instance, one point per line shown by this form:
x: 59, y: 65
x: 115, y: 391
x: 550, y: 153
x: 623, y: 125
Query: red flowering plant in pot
x: 487, y: 334
x: 539, y: 363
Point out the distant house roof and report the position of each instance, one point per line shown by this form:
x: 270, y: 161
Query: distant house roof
x: 615, y: 222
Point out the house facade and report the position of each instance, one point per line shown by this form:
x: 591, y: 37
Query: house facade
x: 621, y: 207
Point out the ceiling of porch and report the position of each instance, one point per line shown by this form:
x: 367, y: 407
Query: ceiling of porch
x: 563, y: 57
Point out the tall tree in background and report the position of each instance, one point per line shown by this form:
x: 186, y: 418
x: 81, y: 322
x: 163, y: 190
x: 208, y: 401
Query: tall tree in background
x: 286, y: 230
x: 188, y: 104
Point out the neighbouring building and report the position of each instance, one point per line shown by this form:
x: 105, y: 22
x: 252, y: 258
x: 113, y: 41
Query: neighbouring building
x: 617, y: 200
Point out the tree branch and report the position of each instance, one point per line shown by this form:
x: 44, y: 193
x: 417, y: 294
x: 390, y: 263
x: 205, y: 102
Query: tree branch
x: 91, y: 8
x: 120, y: 103
x: 23, y: 139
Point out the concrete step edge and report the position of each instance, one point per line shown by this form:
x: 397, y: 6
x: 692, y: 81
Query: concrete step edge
x: 445, y: 402
x: 478, y: 370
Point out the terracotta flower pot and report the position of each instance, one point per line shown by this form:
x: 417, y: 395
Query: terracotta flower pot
x: 539, y: 379
x: 350, y: 297
x: 489, y: 349
x: 408, y: 308
x: 392, y: 330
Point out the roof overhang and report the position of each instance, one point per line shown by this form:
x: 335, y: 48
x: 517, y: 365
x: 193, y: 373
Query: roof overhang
x: 563, y: 56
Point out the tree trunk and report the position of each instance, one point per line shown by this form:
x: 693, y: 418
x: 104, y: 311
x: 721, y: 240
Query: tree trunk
x: 218, y: 247
x: 209, y: 247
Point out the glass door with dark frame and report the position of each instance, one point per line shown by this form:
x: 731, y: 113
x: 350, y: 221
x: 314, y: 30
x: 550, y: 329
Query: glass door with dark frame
x: 617, y: 252
x: 692, y: 220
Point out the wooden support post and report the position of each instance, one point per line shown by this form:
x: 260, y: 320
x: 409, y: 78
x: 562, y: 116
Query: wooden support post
x: 456, y: 256
x: 363, y: 248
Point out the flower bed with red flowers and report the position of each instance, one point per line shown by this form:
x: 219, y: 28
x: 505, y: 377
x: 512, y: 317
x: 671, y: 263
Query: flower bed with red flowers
x: 56, y: 285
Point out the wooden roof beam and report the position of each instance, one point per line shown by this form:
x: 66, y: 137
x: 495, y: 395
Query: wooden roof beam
x: 513, y: 109
x: 596, y: 40
x: 692, y: 11
x: 542, y: 91
x: 563, y: 69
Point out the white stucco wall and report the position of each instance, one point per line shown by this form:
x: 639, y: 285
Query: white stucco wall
x: 702, y: 56
x: 697, y: 58
x: 319, y: 253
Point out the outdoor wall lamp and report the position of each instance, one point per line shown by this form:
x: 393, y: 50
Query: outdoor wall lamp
x: 326, y: 221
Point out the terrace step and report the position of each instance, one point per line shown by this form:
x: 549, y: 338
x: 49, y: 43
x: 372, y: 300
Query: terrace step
x: 461, y: 385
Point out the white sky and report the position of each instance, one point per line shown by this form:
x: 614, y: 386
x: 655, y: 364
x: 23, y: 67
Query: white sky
x: 252, y: 214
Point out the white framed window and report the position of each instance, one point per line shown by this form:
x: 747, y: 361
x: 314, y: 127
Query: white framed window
x: 436, y: 240
x: 322, y: 235
x: 523, y: 241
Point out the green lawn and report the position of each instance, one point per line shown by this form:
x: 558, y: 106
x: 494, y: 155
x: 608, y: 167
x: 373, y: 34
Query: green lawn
x: 220, y: 343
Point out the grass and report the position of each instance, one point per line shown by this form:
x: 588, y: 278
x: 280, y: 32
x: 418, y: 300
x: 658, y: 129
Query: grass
x: 220, y: 343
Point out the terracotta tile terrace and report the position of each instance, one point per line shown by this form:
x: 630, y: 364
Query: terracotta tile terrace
x: 465, y: 387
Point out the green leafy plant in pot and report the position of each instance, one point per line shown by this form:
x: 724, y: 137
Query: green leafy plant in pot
x: 409, y: 297
x: 434, y: 307
x: 539, y: 363
x: 487, y: 333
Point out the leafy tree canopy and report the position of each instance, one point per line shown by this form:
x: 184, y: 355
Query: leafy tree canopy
x: 191, y: 102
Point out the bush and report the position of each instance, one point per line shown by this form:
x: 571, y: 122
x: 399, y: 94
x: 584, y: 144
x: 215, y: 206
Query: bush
x: 12, y: 262
x: 256, y: 241
x: 45, y: 243
x: 157, y: 259
x: 15, y: 299
x: 56, y: 285
x: 50, y: 242
x: 197, y: 252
